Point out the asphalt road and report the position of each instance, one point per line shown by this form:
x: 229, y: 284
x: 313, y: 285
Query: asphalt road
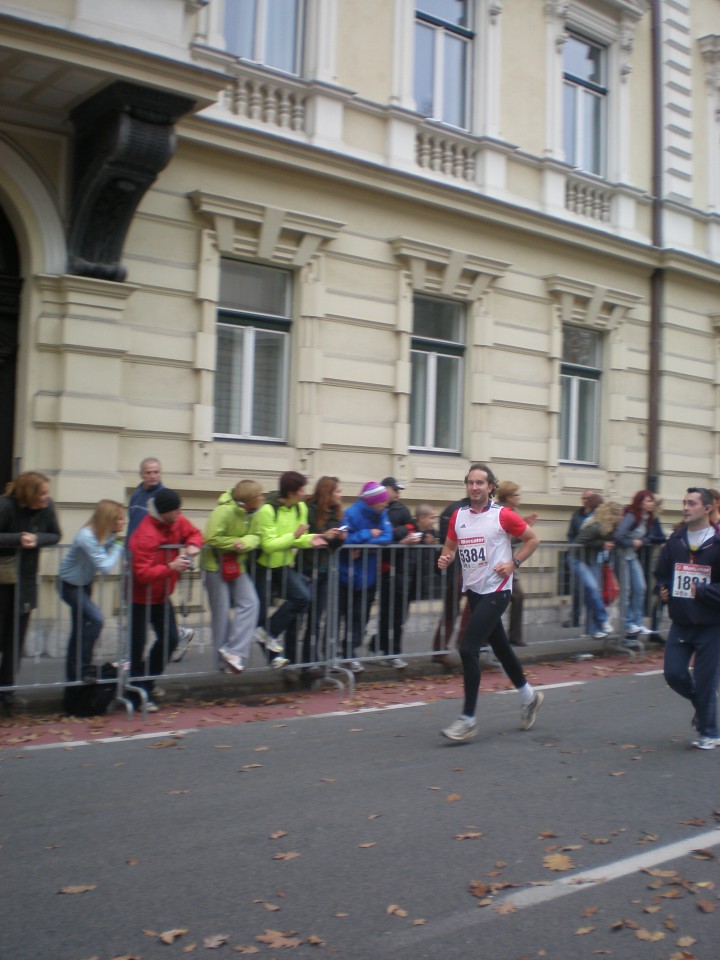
x: 360, y: 836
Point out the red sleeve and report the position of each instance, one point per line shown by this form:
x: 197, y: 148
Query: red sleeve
x: 189, y: 533
x: 451, y: 535
x: 511, y: 522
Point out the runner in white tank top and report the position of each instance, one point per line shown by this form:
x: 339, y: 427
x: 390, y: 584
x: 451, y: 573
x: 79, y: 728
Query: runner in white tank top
x: 481, y: 535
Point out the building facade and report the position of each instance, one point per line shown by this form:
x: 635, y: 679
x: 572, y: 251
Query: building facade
x: 246, y: 236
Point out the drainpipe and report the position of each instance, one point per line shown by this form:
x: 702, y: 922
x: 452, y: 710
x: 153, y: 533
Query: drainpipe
x: 657, y: 279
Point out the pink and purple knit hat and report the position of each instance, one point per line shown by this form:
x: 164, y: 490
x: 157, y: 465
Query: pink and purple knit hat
x: 373, y: 492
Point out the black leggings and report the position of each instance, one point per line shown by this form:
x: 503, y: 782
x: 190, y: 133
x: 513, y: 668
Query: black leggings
x: 486, y: 627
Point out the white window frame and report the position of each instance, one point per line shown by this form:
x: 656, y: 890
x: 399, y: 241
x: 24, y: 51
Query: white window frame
x: 584, y: 89
x: 442, y: 29
x: 263, y: 11
x: 433, y: 349
x: 576, y: 374
x: 246, y: 323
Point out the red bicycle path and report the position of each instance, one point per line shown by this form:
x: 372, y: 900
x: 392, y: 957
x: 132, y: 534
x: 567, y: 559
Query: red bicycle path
x: 29, y: 730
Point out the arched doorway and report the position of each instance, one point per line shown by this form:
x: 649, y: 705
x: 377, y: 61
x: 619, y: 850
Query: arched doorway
x: 10, y: 284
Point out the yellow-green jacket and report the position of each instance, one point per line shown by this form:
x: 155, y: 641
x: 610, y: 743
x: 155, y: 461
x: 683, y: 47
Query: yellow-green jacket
x: 276, y: 525
x: 227, y: 523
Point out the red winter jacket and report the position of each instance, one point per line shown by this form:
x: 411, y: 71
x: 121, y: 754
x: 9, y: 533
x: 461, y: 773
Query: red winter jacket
x: 153, y: 579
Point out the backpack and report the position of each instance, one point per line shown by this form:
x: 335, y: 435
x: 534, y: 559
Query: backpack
x: 92, y: 699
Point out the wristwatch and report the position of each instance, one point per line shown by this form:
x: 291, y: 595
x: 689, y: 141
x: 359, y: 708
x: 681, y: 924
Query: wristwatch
x: 516, y: 562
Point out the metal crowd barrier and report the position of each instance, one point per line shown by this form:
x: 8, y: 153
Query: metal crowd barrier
x: 411, y: 611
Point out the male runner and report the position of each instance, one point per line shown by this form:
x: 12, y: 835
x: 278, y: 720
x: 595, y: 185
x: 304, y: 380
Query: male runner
x: 481, y: 534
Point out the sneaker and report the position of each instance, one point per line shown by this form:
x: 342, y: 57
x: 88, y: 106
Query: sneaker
x: 601, y: 634
x: 397, y: 662
x: 461, y: 729
x: 151, y: 707
x: 607, y: 627
x: 232, y: 660
x: 644, y: 631
x: 278, y: 662
x: 268, y: 642
x: 356, y: 666
x: 185, y: 635
x: 158, y: 693
x: 530, y: 710
x: 706, y: 743
x: 633, y: 630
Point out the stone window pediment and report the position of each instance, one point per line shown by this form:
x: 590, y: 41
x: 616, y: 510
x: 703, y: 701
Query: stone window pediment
x: 590, y: 304
x: 446, y: 272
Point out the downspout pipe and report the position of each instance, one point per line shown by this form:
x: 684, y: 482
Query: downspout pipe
x: 657, y: 278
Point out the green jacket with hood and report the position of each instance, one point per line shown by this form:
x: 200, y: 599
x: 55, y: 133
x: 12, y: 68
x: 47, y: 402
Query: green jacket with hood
x: 227, y: 523
x: 276, y: 525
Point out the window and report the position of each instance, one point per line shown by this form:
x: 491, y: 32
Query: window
x: 580, y: 394
x: 437, y: 348
x: 253, y: 339
x: 442, y: 60
x: 266, y: 31
x: 584, y: 104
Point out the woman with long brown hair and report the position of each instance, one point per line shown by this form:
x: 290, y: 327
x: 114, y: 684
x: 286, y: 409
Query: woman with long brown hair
x: 27, y: 523
x: 95, y: 550
x: 631, y: 535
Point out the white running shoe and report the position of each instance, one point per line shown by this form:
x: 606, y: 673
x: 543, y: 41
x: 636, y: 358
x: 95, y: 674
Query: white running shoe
x: 461, y: 729
x: 706, y: 743
x: 530, y: 710
x: 185, y: 635
x: 232, y: 660
x: 268, y: 642
x: 397, y: 662
x: 278, y: 662
x: 356, y: 666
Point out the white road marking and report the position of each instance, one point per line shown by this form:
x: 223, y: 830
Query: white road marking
x: 88, y: 743
x: 611, y: 871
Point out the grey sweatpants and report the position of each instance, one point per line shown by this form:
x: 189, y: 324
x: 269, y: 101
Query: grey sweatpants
x: 235, y: 633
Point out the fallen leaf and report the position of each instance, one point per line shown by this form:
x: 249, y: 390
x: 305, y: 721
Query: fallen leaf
x: 315, y: 941
x: 546, y: 835
x: 328, y: 780
x: 161, y: 744
x: 271, y: 907
x: 82, y: 889
x: 277, y: 940
x: 223, y: 746
x: 278, y: 834
x: 618, y: 773
x: 468, y: 836
x: 374, y: 816
x: 215, y: 941
x: 582, y: 931
x: 686, y: 941
x: 366, y: 846
x: 260, y: 749
x: 453, y: 797
x: 706, y: 906
x: 648, y: 936
x: 418, y: 923
x: 558, y: 861
x: 246, y: 949
x: 290, y: 855
x: 589, y: 912
x: 132, y: 861
x: 651, y: 909
x: 177, y: 793
x: 703, y: 854
x: 170, y: 936
x: 478, y: 888
x: 395, y: 910
x: 503, y: 909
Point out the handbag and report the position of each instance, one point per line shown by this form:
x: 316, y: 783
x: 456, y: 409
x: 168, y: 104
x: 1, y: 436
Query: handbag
x: 610, y: 588
x: 8, y: 569
x: 229, y: 566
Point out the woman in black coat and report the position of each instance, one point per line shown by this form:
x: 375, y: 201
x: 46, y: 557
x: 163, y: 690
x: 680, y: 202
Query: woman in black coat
x: 27, y: 523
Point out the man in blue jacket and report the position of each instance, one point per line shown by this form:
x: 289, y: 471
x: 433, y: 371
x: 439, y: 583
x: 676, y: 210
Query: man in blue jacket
x: 688, y: 579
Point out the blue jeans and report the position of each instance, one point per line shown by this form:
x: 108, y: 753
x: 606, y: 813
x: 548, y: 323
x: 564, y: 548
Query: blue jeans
x: 87, y: 622
x: 634, y: 588
x: 597, y: 613
x: 288, y: 583
x: 701, y: 686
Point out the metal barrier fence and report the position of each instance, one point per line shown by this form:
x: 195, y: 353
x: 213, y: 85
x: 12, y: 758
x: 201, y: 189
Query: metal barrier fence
x: 365, y: 605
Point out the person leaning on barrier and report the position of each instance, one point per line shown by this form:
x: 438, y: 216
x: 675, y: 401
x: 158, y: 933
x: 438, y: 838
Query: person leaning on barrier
x: 27, y: 523
x: 631, y: 535
x: 368, y: 525
x: 325, y: 518
x: 282, y: 526
x: 163, y: 546
x: 451, y: 588
x: 572, y: 558
x: 424, y: 580
x: 508, y: 495
x: 481, y: 535
x: 95, y: 550
x: 688, y: 580
x: 229, y: 538
x: 394, y: 581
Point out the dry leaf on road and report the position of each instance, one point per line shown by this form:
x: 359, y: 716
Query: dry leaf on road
x: 215, y: 941
x: 558, y: 861
x: 290, y: 855
x: 277, y: 940
x: 82, y: 889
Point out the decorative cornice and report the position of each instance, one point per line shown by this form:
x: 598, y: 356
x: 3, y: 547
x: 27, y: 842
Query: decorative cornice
x: 442, y: 270
x: 589, y: 304
x: 281, y: 236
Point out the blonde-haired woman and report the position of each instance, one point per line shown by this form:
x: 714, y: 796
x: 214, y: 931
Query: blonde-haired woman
x: 95, y: 550
x: 228, y: 534
x: 508, y: 495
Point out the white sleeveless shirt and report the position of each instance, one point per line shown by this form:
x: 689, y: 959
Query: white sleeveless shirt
x: 484, y: 540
